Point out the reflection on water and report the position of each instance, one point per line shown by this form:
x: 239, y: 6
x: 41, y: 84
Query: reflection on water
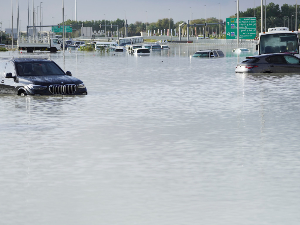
x: 165, y: 139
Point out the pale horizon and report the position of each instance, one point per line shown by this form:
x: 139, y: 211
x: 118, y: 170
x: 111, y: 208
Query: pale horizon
x: 133, y: 10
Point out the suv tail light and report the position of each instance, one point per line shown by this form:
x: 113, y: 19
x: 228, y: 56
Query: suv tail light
x: 251, y: 67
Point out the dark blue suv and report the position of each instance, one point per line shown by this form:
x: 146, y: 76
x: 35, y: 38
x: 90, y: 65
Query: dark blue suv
x: 35, y: 76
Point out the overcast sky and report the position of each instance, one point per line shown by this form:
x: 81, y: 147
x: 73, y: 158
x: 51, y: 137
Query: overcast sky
x: 132, y: 10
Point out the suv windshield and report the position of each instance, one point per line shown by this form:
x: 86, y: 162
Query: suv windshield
x: 276, y: 43
x: 38, y: 69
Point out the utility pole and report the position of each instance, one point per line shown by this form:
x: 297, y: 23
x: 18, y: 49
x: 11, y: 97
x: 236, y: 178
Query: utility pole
x: 265, y: 15
x: 187, y: 30
x: 296, y: 27
x: 0, y: 32
x: 219, y: 20
x: 28, y: 19
x: 169, y: 22
x: 33, y: 25
x: 126, y: 30
x: 18, y: 19
x: 75, y: 10
x: 12, y: 26
x: 63, y: 15
x: 238, y: 22
x: 261, y: 16
x: 40, y: 16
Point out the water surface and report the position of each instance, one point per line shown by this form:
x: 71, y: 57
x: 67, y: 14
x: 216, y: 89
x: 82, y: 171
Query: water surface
x: 165, y: 139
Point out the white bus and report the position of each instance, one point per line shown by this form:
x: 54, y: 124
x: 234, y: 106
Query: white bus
x: 105, y: 45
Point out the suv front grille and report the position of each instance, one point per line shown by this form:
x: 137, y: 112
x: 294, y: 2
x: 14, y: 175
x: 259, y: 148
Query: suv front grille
x: 66, y: 89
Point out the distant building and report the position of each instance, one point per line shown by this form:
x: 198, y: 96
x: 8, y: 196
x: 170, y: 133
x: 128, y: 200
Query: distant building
x: 15, y: 32
x: 86, y: 31
x: 144, y: 34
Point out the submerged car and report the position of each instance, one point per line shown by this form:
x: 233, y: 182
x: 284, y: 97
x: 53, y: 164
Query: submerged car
x: 241, y: 50
x: 211, y: 53
x: 36, y: 76
x: 141, y: 52
x: 269, y: 63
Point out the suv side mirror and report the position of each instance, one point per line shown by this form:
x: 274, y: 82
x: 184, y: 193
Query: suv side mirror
x: 68, y: 73
x: 8, y: 75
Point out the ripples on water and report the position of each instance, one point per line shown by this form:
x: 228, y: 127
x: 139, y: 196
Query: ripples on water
x: 165, y: 139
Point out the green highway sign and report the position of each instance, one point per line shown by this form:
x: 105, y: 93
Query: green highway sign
x: 247, y: 28
x: 59, y: 29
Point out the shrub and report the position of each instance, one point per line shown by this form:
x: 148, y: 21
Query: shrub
x: 3, y: 49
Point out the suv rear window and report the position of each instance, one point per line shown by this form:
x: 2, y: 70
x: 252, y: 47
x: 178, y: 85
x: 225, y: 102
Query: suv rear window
x: 251, y: 60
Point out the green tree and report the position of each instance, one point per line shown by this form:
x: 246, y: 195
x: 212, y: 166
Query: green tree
x: 276, y: 16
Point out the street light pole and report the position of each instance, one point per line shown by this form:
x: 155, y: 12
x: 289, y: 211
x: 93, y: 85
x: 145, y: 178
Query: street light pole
x: 204, y: 35
x: 12, y: 26
x: 169, y: 21
x: 296, y: 20
x: 238, y: 22
x: 105, y: 25
x: 146, y: 22
x: 37, y: 17
x: 219, y: 20
x: 63, y: 15
x: 265, y: 15
x: 40, y: 16
x: 261, y: 16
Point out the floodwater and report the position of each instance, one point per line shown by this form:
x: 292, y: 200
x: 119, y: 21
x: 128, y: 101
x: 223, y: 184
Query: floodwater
x: 165, y: 139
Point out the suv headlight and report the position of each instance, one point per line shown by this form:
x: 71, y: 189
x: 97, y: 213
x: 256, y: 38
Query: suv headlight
x: 81, y: 85
x: 36, y: 87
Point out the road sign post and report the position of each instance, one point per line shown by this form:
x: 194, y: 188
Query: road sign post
x: 247, y: 28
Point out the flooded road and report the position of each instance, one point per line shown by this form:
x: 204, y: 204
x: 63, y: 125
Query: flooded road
x: 165, y: 139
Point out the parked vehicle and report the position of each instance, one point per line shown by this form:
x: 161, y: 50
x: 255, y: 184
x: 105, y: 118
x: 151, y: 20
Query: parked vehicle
x: 155, y: 47
x: 79, y: 43
x: 120, y: 49
x: 141, y: 52
x: 111, y: 46
x: 241, y: 50
x: 48, y: 44
x: 278, y: 40
x: 270, y: 63
x: 131, y: 48
x: 68, y: 43
x: 36, y: 76
x: 147, y: 46
x: 165, y: 47
x: 211, y: 53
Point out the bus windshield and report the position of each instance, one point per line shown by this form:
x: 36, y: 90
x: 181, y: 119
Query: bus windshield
x: 279, y: 42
